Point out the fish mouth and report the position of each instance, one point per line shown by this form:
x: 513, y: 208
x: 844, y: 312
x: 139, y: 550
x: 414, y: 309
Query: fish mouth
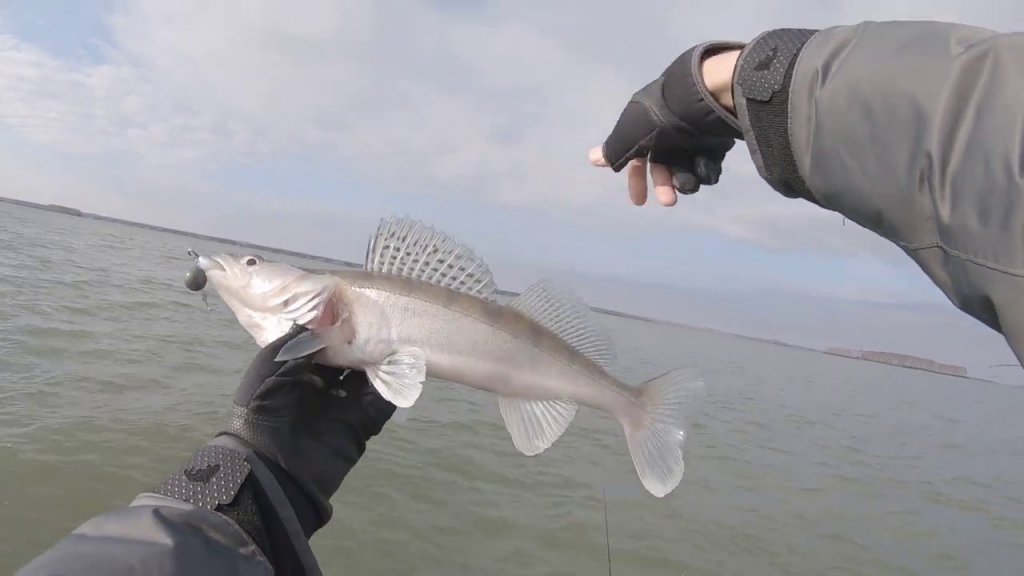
x: 196, y: 278
x: 209, y: 264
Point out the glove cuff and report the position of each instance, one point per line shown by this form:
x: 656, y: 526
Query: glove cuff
x: 308, y: 489
x: 312, y: 512
x: 764, y: 72
x: 688, y: 98
x: 227, y: 477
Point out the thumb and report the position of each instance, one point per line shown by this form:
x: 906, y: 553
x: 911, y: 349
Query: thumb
x: 632, y: 135
x: 264, y: 364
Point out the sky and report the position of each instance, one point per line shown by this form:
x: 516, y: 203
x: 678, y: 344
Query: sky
x: 300, y: 124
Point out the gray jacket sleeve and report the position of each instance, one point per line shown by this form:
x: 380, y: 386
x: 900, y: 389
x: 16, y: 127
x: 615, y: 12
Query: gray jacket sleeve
x: 915, y: 131
x: 221, y: 513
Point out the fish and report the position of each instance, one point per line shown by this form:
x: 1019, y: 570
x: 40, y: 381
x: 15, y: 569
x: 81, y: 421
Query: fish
x: 424, y: 305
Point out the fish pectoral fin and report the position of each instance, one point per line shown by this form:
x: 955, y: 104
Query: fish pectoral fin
x: 399, y: 378
x: 535, y: 424
x: 301, y: 346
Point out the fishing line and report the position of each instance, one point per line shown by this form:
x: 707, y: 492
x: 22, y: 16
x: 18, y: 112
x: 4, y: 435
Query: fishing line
x: 607, y: 533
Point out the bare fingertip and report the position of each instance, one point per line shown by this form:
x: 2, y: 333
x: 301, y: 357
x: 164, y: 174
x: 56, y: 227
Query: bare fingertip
x: 596, y: 157
x: 666, y: 195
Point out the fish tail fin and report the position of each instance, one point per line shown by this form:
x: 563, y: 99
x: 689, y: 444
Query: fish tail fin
x: 656, y: 433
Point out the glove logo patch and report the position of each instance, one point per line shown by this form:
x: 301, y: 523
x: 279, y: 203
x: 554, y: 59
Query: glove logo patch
x: 765, y: 64
x: 212, y: 477
x: 204, y: 474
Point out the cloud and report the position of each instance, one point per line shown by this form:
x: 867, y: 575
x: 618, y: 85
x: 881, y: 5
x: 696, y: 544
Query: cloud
x: 490, y: 101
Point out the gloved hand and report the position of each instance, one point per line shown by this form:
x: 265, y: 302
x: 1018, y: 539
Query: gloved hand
x: 676, y: 124
x: 309, y: 422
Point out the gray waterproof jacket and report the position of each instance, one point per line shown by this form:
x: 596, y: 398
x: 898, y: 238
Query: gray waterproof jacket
x: 914, y: 130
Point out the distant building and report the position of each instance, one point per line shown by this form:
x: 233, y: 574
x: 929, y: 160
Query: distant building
x: 904, y: 360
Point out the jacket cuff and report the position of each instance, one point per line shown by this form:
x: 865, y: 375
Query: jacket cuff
x: 761, y: 84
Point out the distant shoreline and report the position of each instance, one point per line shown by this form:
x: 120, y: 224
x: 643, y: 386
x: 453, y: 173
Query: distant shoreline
x: 888, y: 358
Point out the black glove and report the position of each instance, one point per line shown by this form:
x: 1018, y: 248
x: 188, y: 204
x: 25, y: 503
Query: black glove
x: 676, y: 122
x: 309, y: 423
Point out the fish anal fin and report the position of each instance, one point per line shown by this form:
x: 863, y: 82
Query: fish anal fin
x: 409, y: 248
x: 568, y: 317
x: 535, y: 424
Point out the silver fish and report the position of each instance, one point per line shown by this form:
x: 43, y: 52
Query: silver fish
x: 424, y: 306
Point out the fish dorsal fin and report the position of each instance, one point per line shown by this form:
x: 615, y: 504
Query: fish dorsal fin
x: 406, y: 247
x: 568, y: 317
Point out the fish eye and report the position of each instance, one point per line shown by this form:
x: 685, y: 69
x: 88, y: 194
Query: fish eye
x: 252, y: 260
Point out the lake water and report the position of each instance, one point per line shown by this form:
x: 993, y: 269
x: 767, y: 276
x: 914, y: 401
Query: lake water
x: 111, y: 373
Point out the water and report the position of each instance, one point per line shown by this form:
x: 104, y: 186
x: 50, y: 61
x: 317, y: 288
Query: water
x: 798, y: 463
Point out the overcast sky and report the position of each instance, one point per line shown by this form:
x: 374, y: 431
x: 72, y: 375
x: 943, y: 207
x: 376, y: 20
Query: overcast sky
x: 299, y: 124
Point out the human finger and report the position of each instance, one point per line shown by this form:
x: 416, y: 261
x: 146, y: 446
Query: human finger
x: 663, y: 189
x: 636, y: 178
x: 596, y: 157
x: 685, y: 182
x: 707, y: 170
x: 631, y: 136
x: 683, y: 179
x: 264, y: 365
